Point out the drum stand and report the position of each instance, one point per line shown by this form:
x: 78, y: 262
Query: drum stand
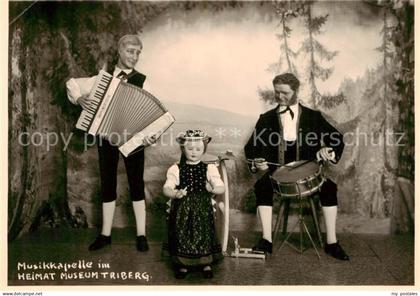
x: 302, y: 228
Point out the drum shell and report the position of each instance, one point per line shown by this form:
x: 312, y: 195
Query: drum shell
x: 303, y: 187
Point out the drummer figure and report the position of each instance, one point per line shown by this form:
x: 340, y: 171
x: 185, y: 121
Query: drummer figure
x: 287, y: 133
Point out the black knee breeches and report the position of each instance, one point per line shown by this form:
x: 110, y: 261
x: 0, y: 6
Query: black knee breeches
x: 108, y: 165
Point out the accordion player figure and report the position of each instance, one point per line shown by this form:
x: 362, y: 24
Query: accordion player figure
x: 120, y: 113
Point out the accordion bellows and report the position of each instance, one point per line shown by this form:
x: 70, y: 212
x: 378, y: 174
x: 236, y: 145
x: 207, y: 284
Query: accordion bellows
x: 123, y: 114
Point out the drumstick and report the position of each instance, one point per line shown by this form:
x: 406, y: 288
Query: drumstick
x: 272, y: 163
x: 300, y: 164
x: 279, y: 165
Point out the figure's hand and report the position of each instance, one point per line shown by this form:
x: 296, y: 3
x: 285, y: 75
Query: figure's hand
x: 180, y: 193
x: 209, y: 188
x: 147, y: 141
x: 215, y: 188
x: 325, y: 154
x: 261, y: 164
x: 84, y: 102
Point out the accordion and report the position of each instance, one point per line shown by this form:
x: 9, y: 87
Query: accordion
x: 123, y: 114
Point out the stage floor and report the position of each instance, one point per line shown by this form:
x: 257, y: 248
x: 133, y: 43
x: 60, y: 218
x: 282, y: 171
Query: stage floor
x: 40, y: 258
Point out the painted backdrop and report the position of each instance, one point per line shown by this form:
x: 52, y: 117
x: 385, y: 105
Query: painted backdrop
x: 211, y: 63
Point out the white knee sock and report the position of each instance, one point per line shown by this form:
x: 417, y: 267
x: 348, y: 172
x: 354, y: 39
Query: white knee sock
x: 330, y: 217
x: 140, y: 215
x: 108, y: 209
x: 266, y: 213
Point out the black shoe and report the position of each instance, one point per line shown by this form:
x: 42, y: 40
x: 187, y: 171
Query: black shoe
x: 207, y: 273
x: 263, y: 246
x: 141, y: 243
x: 336, y: 251
x: 100, y: 242
x: 181, y: 273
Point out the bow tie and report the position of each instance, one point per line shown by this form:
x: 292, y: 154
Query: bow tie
x: 288, y: 109
x: 122, y: 75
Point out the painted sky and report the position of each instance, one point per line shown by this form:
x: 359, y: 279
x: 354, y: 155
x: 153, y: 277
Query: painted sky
x: 220, y: 60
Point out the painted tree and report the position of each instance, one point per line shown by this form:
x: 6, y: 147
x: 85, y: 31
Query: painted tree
x: 317, y: 53
x: 49, y: 43
x: 402, y: 38
x: 397, y: 94
x: 285, y: 10
x: 385, y: 87
x: 390, y: 114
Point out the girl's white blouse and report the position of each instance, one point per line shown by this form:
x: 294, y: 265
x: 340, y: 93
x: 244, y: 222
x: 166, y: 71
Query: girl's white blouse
x: 213, y: 176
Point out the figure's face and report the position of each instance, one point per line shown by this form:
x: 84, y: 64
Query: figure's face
x: 194, y: 150
x: 128, y: 56
x: 284, y: 95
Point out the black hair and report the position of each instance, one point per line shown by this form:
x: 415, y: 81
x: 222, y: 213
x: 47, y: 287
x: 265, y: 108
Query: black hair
x: 289, y: 79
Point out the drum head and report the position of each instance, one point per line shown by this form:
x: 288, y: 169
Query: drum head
x: 295, y: 171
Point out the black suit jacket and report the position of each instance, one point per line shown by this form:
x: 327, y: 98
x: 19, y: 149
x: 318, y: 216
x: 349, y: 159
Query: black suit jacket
x: 135, y: 78
x: 314, y: 132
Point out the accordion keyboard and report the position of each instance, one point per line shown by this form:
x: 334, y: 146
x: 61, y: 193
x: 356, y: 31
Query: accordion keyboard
x: 95, y: 98
x: 123, y: 114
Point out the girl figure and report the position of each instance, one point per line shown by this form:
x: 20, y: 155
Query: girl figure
x: 190, y: 184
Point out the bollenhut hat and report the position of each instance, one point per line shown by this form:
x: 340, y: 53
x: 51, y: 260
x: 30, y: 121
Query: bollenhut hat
x: 193, y: 135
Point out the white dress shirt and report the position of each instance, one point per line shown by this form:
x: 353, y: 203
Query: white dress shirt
x: 78, y: 87
x: 118, y: 70
x: 172, y: 176
x: 289, y: 124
